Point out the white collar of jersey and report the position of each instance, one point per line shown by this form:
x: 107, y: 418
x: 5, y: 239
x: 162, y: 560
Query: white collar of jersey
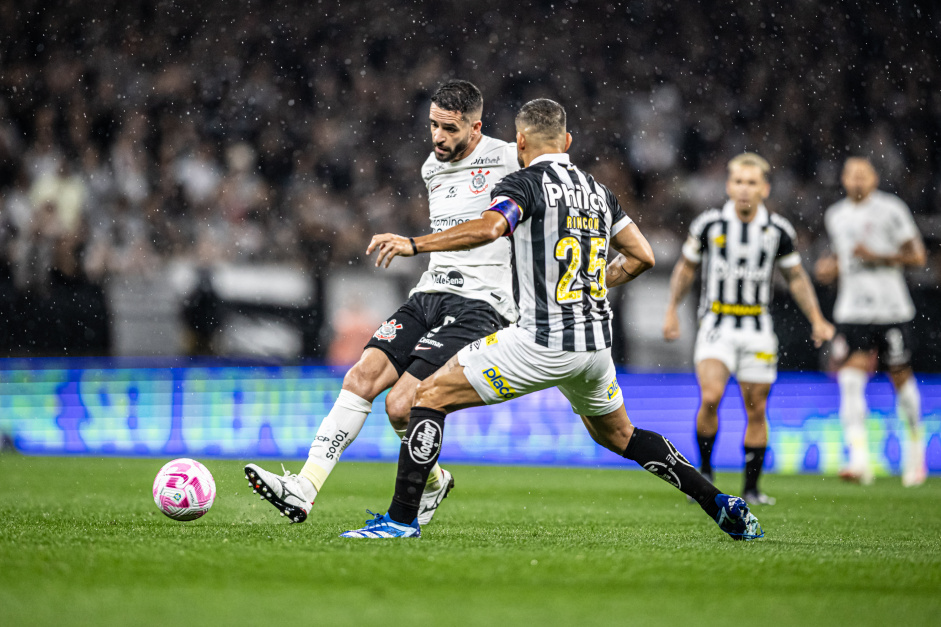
x: 561, y: 157
x: 728, y: 210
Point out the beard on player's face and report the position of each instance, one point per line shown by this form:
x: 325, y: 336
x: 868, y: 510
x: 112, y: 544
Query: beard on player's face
x: 451, y: 153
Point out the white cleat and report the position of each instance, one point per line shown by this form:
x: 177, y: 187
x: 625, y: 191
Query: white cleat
x: 285, y: 492
x: 914, y: 477
x: 431, y: 499
x: 862, y: 476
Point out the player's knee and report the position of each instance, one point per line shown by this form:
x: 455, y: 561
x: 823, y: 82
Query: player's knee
x: 398, y: 408
x: 711, y: 400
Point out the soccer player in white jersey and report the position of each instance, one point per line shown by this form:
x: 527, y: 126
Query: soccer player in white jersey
x: 739, y: 246
x: 873, y: 238
x: 561, y: 221
x: 462, y: 296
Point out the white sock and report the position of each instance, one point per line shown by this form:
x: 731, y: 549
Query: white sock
x: 336, y: 432
x: 908, y: 407
x: 434, y: 477
x: 853, y: 412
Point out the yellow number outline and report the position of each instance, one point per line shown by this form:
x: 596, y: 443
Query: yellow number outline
x: 596, y: 268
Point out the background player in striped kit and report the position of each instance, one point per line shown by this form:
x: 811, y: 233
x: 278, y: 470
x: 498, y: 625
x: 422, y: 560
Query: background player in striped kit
x: 460, y: 298
x: 561, y: 221
x: 873, y: 237
x: 739, y: 245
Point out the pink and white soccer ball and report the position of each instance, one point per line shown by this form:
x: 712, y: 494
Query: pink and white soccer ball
x: 184, y: 489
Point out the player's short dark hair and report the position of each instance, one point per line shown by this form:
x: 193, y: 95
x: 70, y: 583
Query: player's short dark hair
x: 462, y: 96
x: 543, y: 117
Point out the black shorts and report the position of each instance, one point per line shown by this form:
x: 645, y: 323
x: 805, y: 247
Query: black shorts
x: 430, y: 328
x: 894, y: 342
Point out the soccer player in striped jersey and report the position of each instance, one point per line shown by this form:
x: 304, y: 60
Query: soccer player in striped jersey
x: 873, y: 237
x: 561, y: 222
x: 461, y: 297
x: 739, y: 246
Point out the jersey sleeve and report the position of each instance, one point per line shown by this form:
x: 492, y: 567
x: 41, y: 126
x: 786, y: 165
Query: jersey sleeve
x: 787, y: 255
x: 695, y: 242
x: 619, y: 219
x: 903, y: 223
x: 513, y: 199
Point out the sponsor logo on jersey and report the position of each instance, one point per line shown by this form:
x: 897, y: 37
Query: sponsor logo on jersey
x: 479, y: 184
x: 724, y: 270
x: 613, y: 389
x: 766, y: 357
x: 575, y: 197
x: 387, y: 330
x: 498, y: 383
x: 734, y: 309
x: 440, y: 224
x: 424, y: 442
x: 719, y: 241
x: 492, y: 339
x: 453, y: 278
x: 485, y: 161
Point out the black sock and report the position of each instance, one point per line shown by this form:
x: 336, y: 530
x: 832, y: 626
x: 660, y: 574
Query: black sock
x: 658, y: 456
x: 417, y: 456
x: 754, y: 462
x: 706, y: 442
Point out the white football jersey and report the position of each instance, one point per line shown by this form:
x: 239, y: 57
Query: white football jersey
x: 459, y: 191
x: 871, y: 294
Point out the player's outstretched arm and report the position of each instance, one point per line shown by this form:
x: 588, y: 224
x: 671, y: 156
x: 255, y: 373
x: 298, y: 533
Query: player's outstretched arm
x: 684, y: 273
x: 911, y: 253
x: 464, y: 236
x: 636, y: 256
x: 803, y: 292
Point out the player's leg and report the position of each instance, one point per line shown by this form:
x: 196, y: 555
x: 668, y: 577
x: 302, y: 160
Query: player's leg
x: 487, y: 371
x: 852, y: 377
x: 908, y: 408
x: 596, y: 396
x: 456, y: 322
x: 896, y: 348
x: 755, y: 397
x: 713, y: 376
x: 399, y: 403
x: 446, y: 390
x: 384, y: 359
x: 294, y: 495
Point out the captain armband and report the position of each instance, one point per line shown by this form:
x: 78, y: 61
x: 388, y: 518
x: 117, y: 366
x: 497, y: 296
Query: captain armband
x: 508, y: 208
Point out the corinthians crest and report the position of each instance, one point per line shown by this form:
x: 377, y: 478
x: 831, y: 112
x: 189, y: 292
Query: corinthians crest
x: 387, y: 331
x: 479, y: 183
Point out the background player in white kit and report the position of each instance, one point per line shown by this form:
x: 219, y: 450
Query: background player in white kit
x: 462, y: 296
x: 561, y: 221
x: 739, y: 246
x: 872, y: 238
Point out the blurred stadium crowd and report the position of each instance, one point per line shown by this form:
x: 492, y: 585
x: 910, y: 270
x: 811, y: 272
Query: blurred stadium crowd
x: 132, y: 134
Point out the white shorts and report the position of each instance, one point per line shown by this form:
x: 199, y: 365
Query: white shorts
x: 509, y: 364
x: 752, y: 356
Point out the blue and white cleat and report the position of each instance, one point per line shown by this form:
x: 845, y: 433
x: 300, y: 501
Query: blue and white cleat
x: 735, y: 519
x: 384, y: 527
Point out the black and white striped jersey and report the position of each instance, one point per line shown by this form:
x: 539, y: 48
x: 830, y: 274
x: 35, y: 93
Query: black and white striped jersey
x: 561, y: 221
x: 738, y: 262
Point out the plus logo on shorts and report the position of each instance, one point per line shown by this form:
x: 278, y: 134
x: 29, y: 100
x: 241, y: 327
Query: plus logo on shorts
x: 387, y: 330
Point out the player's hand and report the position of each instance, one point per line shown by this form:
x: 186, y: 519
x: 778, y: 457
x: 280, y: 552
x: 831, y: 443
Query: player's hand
x: 822, y: 331
x: 389, y: 246
x: 671, y: 326
x: 827, y: 269
x: 867, y: 256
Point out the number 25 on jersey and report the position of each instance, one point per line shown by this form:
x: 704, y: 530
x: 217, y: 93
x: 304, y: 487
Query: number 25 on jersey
x: 569, y: 248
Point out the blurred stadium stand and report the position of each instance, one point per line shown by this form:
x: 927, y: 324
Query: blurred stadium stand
x: 147, y: 141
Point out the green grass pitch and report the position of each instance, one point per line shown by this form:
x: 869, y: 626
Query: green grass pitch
x: 81, y: 543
